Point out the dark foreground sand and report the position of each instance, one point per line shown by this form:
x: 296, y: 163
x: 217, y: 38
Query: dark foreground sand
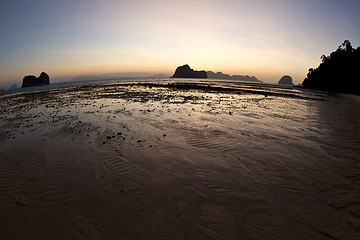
x: 152, y: 162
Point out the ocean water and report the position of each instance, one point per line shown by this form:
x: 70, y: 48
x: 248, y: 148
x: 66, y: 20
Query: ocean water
x: 122, y: 81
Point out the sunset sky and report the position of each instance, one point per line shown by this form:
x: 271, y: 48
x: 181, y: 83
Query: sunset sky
x: 262, y: 38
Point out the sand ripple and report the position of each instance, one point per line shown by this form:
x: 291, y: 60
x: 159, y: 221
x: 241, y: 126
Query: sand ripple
x: 179, y: 161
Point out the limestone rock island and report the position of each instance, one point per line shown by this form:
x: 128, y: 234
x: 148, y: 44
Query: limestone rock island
x: 186, y: 72
x: 286, y: 80
x: 31, y: 81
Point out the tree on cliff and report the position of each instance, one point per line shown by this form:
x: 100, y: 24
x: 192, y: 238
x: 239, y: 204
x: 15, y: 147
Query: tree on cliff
x: 339, y: 72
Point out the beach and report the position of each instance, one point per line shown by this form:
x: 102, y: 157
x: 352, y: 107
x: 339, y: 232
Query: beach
x: 179, y: 161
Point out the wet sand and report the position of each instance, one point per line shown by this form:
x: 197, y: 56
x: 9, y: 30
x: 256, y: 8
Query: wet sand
x: 187, y: 161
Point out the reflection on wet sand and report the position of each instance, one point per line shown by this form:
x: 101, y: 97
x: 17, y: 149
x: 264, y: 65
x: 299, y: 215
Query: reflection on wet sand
x: 180, y: 161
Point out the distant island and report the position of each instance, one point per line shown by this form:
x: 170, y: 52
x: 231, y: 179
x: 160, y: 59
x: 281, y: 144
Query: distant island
x: 338, y: 72
x: 13, y: 87
x: 220, y: 75
x: 31, y: 80
x: 286, y: 80
x: 186, y: 72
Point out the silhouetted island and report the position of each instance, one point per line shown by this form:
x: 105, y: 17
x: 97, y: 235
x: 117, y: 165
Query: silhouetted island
x: 338, y: 72
x: 186, y: 72
x: 31, y: 81
x: 286, y: 80
x: 220, y: 75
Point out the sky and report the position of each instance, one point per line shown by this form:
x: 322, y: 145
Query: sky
x: 262, y: 38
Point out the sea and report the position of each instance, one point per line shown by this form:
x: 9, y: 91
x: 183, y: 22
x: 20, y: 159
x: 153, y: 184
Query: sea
x: 70, y: 84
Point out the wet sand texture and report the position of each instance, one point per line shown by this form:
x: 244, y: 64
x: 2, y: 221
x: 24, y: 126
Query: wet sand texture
x: 178, y: 162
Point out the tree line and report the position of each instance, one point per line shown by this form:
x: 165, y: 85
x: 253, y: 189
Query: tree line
x: 338, y: 72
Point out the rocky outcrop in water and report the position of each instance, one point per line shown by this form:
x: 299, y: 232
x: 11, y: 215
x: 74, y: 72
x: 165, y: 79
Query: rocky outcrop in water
x: 186, y: 72
x: 44, y: 79
x: 286, y: 80
x: 31, y: 81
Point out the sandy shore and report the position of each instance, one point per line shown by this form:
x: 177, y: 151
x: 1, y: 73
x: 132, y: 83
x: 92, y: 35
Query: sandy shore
x: 179, y: 162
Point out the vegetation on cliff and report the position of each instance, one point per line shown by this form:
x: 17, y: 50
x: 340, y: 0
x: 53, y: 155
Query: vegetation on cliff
x: 338, y: 72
